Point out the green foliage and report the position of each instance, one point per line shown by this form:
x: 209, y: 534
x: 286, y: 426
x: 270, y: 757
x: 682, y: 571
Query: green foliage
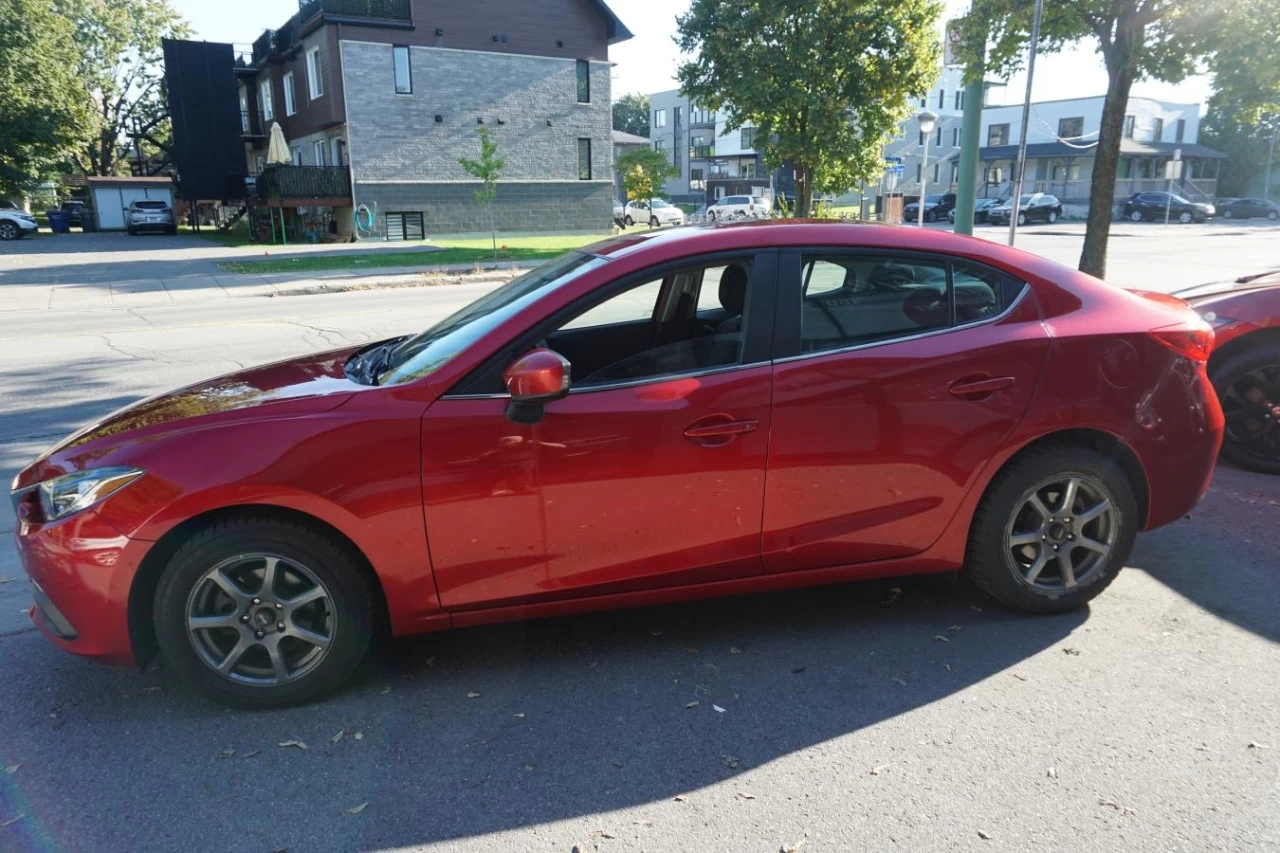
x: 1247, y: 62
x: 120, y: 64
x: 43, y: 107
x: 825, y: 82
x: 643, y: 172
x: 1230, y: 127
x: 631, y: 114
x: 486, y: 170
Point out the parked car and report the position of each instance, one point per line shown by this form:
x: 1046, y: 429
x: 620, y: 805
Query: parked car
x: 980, y: 208
x: 1152, y: 207
x: 75, y: 211
x: 936, y: 206
x: 656, y: 212
x: 1247, y: 208
x: 6, y: 204
x: 739, y: 207
x: 1032, y: 207
x: 151, y: 215
x: 1245, y: 365
x: 619, y: 211
x: 15, y: 224
x: 597, y: 433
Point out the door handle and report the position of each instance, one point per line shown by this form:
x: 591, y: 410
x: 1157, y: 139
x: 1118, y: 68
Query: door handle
x: 718, y: 434
x: 980, y: 389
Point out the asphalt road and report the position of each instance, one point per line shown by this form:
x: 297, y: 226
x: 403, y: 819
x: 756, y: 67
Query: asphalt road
x: 1149, y: 721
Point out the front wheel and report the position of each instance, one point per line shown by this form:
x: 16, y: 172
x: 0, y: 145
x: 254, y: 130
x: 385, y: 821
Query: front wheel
x: 1053, y: 530
x: 1022, y: 219
x: 653, y: 222
x: 263, y: 613
x: 1273, y: 215
x: 1185, y: 217
x: 1248, y: 386
x: 1135, y: 216
x: 629, y: 221
x: 1053, y: 216
x: 9, y: 231
x: 1227, y: 214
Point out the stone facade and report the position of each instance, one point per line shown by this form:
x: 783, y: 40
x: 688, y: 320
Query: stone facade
x: 404, y: 160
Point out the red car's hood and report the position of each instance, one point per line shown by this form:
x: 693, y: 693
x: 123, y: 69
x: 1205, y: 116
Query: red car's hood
x: 1202, y: 292
x: 300, y: 386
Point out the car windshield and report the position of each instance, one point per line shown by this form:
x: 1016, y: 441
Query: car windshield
x: 933, y: 198
x: 1026, y: 199
x: 420, y: 355
x: 150, y: 205
x: 1179, y: 199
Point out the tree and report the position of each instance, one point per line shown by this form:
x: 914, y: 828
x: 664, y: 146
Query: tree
x: 1160, y: 39
x: 824, y: 82
x: 1231, y: 127
x: 120, y: 65
x: 486, y: 170
x: 631, y: 114
x: 43, y: 107
x: 643, y: 171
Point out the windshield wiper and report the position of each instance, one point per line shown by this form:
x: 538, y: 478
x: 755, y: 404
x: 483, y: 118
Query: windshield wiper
x: 370, y: 363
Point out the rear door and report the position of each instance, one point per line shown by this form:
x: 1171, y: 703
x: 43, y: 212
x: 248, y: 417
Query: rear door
x: 898, y: 376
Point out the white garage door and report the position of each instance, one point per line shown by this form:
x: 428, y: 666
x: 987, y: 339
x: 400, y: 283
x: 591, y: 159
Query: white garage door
x: 106, y: 202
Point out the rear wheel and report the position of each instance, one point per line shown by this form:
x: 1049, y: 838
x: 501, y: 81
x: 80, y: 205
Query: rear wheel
x: 1022, y: 219
x: 1273, y: 215
x: 1053, y: 530
x: 629, y: 221
x: 653, y: 222
x: 1185, y: 217
x: 1053, y: 216
x: 263, y: 613
x: 1227, y: 214
x: 1135, y: 216
x: 1248, y: 386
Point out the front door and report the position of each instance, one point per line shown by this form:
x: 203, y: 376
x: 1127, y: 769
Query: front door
x: 905, y: 373
x: 649, y: 473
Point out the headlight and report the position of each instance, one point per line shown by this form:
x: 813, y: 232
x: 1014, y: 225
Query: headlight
x: 70, y: 493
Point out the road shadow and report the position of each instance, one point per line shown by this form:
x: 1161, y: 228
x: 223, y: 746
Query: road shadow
x: 480, y: 731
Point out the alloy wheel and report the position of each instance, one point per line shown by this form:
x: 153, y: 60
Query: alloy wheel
x: 1135, y: 217
x: 8, y: 231
x: 260, y: 619
x: 1062, y: 532
x: 1251, y: 406
x: 1185, y: 217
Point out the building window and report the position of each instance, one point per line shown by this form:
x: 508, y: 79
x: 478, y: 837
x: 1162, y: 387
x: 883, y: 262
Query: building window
x: 244, y: 110
x: 403, y: 73
x: 297, y: 156
x: 584, y: 81
x: 749, y: 169
x: 1180, y: 130
x: 959, y: 99
x: 924, y: 100
x: 700, y: 115
x: 315, y: 84
x: 1128, y: 127
x: 1071, y: 128
x: 920, y: 141
x: 697, y: 179
x: 405, y: 226
x: 584, y: 159
x: 1125, y: 169
x: 998, y: 134
x: 659, y: 118
x: 942, y: 98
x: 748, y: 138
x: 955, y: 137
x: 676, y: 112
x: 935, y: 173
x: 937, y: 136
x: 319, y: 149
x: 700, y: 147
x: 290, y: 105
x: 268, y: 111
x: 1157, y: 131
x: 919, y: 172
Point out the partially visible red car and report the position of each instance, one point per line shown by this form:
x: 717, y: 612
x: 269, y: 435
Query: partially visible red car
x: 659, y: 417
x: 1245, y: 365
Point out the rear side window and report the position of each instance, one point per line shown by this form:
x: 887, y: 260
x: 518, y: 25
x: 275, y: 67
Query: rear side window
x: 982, y: 292
x: 855, y: 299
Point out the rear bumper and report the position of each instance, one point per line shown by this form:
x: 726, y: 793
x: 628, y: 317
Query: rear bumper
x: 152, y: 226
x: 81, y: 571
x: 1183, y: 429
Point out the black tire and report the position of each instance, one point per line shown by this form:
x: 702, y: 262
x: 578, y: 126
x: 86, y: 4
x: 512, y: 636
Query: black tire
x: 1227, y: 214
x: 132, y: 232
x: 1273, y: 215
x: 628, y: 221
x: 330, y: 561
x: 171, y: 230
x: 1186, y: 217
x: 990, y: 561
x: 1136, y: 216
x: 1234, y: 445
x: 653, y: 222
x: 1022, y: 219
x: 1053, y: 217
x: 9, y: 231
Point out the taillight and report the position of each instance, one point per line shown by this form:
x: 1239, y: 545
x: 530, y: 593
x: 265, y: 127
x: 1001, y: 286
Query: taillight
x: 1194, y: 342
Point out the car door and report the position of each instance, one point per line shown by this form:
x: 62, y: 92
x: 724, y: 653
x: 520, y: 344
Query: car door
x: 897, y: 375
x: 649, y: 473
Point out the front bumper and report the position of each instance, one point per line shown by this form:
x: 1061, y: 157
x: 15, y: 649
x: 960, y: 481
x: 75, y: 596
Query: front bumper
x: 81, y: 571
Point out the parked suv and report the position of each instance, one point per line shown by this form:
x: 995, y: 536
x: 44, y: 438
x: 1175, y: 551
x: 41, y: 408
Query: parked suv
x: 936, y: 206
x: 15, y: 224
x: 149, y: 215
x: 1033, y: 207
x: 1152, y: 206
x: 75, y: 212
x: 735, y: 206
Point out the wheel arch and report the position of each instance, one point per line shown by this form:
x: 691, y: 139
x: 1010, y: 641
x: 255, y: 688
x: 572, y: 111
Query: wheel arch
x: 1235, y: 346
x: 143, y: 588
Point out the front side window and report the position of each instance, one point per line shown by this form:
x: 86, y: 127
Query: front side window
x: 584, y: 81
x: 584, y: 159
x: 998, y: 134
x: 290, y: 103
x: 402, y: 70
x: 315, y: 83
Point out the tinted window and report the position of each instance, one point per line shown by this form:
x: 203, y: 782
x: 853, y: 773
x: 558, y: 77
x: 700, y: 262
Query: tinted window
x: 854, y: 299
x: 150, y: 205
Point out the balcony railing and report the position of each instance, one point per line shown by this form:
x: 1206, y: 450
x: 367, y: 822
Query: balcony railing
x: 319, y: 182
x: 378, y: 10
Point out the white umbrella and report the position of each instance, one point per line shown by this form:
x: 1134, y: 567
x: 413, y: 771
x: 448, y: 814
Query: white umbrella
x: 277, y: 148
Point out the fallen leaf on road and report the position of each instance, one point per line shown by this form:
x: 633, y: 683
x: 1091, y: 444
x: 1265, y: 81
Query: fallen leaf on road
x: 955, y: 629
x: 1124, y: 810
x: 746, y: 796
x: 294, y: 742
x: 794, y: 847
x: 1070, y: 651
x: 680, y: 798
x: 618, y: 764
x: 338, y: 736
x: 228, y: 753
x: 473, y: 695
x: 4, y: 581
x: 692, y: 704
x: 526, y: 766
x: 900, y: 681
x: 357, y: 809
x: 734, y: 650
x: 1253, y: 744
x: 519, y: 716
x: 948, y: 666
x: 251, y: 753
x: 1204, y: 747
x: 11, y: 821
x: 13, y: 768
x: 1052, y: 773
x: 1019, y: 677
x: 717, y: 709
x: 941, y: 639
x: 984, y: 836
x: 878, y: 769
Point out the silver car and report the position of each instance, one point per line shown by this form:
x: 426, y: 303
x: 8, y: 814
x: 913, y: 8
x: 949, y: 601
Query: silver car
x: 151, y: 215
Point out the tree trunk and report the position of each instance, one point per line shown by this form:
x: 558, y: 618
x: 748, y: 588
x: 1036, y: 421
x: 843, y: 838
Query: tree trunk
x: 1102, y: 187
x: 804, y: 191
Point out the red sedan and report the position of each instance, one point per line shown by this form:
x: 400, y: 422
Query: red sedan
x: 1245, y: 366
x: 659, y: 417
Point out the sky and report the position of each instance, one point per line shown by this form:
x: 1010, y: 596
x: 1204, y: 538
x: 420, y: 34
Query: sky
x: 647, y: 63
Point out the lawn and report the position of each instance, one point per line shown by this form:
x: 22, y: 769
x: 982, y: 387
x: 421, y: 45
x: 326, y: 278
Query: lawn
x: 477, y: 250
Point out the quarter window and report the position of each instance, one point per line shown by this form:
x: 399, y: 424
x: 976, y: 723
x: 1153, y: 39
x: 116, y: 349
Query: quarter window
x: 403, y: 72
x: 981, y: 292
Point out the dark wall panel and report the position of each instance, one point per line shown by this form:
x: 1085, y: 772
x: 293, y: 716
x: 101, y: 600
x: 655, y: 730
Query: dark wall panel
x: 205, y: 109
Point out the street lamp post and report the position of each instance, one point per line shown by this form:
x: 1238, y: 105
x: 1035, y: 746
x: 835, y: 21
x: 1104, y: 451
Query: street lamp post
x: 926, y: 120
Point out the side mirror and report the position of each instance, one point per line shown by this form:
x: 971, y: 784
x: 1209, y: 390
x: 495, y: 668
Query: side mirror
x: 535, y: 379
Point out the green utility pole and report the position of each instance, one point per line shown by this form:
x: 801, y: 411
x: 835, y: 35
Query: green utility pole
x: 970, y: 133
